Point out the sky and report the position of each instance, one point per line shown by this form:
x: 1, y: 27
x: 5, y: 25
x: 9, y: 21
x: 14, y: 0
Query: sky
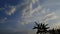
x: 20, y: 15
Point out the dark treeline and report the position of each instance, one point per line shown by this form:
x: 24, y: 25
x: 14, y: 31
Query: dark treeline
x: 54, y: 31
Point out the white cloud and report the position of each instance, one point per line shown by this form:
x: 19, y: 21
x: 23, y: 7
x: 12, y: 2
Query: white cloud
x: 28, y: 12
x: 40, y: 13
x: 11, y: 10
x: 51, y: 16
x: 27, y: 15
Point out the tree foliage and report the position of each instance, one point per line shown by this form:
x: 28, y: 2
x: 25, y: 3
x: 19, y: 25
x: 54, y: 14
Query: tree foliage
x: 41, y: 28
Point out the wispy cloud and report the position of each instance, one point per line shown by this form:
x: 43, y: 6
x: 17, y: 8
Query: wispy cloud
x: 40, y: 13
x: 2, y: 9
x: 34, y: 1
x: 28, y: 12
x: 51, y: 16
x: 3, y: 20
x: 56, y: 25
x: 11, y: 10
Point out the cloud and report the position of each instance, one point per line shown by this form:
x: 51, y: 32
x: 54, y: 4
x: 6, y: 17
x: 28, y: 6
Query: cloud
x: 28, y: 11
x: 29, y: 15
x: 51, y: 3
x: 56, y: 25
x: 3, y: 20
x: 2, y: 9
x: 40, y: 13
x: 42, y: 16
x: 11, y: 10
x: 34, y: 1
x: 50, y: 16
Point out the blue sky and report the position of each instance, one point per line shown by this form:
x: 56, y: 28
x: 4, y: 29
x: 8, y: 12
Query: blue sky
x: 20, y: 15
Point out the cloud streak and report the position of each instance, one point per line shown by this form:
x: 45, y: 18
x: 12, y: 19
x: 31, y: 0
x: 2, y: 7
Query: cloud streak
x: 40, y: 13
x: 11, y: 10
x: 28, y: 12
x: 3, y: 20
x: 51, y: 16
x: 56, y: 25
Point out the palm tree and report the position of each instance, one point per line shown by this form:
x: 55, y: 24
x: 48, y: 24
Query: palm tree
x: 41, y: 28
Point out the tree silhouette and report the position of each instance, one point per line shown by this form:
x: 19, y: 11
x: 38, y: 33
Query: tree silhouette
x: 53, y: 31
x: 58, y: 30
x: 41, y: 28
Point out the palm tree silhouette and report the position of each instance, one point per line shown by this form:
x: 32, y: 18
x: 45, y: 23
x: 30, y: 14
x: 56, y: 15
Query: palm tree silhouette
x: 41, y: 28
